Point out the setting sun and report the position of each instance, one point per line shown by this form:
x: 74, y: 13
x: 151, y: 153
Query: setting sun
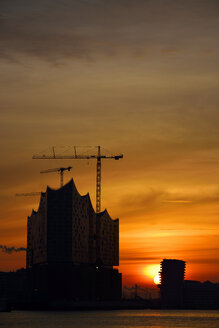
x: 152, y: 271
x: 157, y: 279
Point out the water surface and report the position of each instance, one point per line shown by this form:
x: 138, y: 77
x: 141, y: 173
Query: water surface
x: 114, y: 319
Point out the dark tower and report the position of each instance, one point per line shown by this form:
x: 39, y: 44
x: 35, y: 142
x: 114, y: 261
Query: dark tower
x: 71, y: 250
x: 172, y: 278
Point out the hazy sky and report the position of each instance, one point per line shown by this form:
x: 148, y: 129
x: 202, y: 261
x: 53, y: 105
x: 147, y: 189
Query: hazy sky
x: 136, y: 77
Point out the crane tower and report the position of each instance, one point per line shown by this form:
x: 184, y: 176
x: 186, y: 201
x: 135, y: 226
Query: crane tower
x: 98, y: 156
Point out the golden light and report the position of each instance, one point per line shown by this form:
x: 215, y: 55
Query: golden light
x: 152, y: 271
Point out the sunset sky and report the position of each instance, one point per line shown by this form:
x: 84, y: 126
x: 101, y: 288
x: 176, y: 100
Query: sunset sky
x: 137, y: 77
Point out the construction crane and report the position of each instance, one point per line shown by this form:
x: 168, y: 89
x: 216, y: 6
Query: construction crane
x: 97, y: 156
x: 59, y: 170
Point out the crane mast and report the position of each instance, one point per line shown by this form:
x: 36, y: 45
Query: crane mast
x: 97, y: 156
x: 98, y: 184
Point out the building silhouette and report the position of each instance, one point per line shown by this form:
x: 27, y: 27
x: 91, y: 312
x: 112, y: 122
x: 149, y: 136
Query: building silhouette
x: 188, y: 294
x: 200, y: 295
x: 71, y: 250
x: 172, y: 280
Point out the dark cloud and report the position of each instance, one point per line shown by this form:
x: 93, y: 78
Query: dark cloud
x: 58, y: 30
x: 12, y: 249
x: 132, y: 205
x: 191, y: 255
x: 139, y: 258
x: 148, y: 199
x: 188, y: 200
x: 203, y: 260
x: 153, y: 200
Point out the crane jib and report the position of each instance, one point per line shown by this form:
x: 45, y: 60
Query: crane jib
x: 97, y: 156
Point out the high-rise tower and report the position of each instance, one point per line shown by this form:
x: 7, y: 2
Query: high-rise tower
x: 172, y: 278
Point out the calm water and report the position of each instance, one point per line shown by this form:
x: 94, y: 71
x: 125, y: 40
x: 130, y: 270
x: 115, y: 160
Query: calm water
x: 114, y: 319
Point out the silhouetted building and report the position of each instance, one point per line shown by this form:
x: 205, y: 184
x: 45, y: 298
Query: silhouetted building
x: 188, y: 294
x: 197, y: 295
x: 107, y: 240
x: 13, y: 286
x: 171, y: 287
x: 71, y: 250
x: 66, y: 229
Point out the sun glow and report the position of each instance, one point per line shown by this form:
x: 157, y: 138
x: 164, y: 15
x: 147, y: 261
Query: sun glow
x: 152, y: 271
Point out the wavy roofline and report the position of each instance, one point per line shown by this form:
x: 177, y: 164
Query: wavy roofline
x: 42, y: 197
x: 69, y: 183
x: 85, y: 197
x: 105, y: 212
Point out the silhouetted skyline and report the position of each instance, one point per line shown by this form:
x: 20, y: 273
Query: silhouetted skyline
x: 138, y: 78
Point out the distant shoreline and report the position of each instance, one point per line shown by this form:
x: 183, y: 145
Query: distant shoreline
x: 102, y: 306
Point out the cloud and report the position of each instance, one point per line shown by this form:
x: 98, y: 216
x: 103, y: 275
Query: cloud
x: 56, y: 31
x: 193, y: 199
x: 191, y: 255
x: 211, y: 260
x: 19, y: 40
x: 148, y: 200
x: 137, y: 258
x: 12, y: 249
x: 160, y: 202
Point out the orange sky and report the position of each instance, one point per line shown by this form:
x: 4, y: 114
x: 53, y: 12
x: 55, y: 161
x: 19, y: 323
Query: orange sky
x: 136, y: 77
